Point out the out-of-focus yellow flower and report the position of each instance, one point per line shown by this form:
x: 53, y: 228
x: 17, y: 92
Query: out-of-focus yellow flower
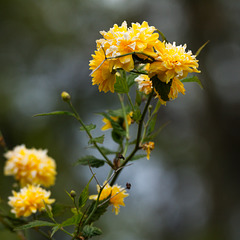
x: 30, y: 166
x: 108, y: 124
x: 148, y: 147
x: 144, y: 83
x: 103, y: 73
x: 172, y: 61
x: 29, y: 200
x: 116, y: 193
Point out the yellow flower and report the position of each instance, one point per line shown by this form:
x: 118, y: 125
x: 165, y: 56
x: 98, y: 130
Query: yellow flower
x: 29, y: 200
x: 116, y: 193
x: 148, y: 147
x: 144, y: 83
x: 108, y: 124
x: 124, y: 41
x: 30, y: 166
x: 103, y: 73
x: 172, y: 61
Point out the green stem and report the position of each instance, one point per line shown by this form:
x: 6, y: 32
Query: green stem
x: 130, y: 101
x: 137, y: 140
x: 126, y: 124
x: 131, y: 53
x: 88, y: 133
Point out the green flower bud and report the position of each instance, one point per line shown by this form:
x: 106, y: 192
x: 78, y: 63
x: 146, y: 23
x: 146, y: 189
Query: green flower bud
x: 65, y: 96
x: 73, y: 194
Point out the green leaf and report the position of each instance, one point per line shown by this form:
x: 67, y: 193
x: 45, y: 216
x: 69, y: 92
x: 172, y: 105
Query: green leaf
x: 193, y: 79
x: 84, y: 195
x: 201, y: 48
x: 89, y: 127
x: 138, y: 99
x: 121, y: 85
x: 54, y: 113
x: 100, y: 210
x: 90, y: 160
x: 130, y: 79
x: 36, y: 223
x: 162, y: 88
x: 99, y: 139
x: 136, y: 157
x: 55, y: 229
x: 91, y: 231
x: 118, y: 138
x: 74, y: 220
x: 107, y: 151
x: 137, y: 115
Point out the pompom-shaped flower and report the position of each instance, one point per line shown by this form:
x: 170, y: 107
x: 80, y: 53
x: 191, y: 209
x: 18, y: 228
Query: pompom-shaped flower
x: 172, y: 64
x: 124, y: 41
x: 103, y: 74
x: 144, y: 83
x: 116, y: 194
x: 30, y: 166
x: 148, y: 147
x: 29, y: 200
x: 172, y: 61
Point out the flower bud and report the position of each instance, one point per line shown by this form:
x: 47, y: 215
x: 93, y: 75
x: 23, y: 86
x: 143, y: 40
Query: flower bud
x: 65, y: 96
x: 73, y: 194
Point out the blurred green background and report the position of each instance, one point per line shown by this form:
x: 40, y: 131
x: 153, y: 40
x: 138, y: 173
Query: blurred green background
x: 189, y: 190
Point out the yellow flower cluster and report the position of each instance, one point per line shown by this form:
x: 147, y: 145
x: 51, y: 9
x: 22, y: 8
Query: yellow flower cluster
x: 114, y: 51
x: 116, y: 193
x: 30, y: 166
x: 123, y: 47
x: 29, y: 200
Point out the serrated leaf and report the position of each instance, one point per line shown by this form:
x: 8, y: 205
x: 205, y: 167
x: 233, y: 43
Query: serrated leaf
x: 89, y: 127
x: 54, y: 113
x: 91, y: 231
x: 55, y: 229
x: 193, y: 79
x: 84, y: 195
x: 74, y: 220
x: 136, y: 157
x: 99, y: 139
x: 90, y: 160
x: 162, y: 88
x: 121, y: 85
x: 137, y: 115
x: 36, y: 223
x: 201, y: 48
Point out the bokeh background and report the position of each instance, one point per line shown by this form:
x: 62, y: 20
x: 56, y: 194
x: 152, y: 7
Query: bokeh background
x: 189, y: 190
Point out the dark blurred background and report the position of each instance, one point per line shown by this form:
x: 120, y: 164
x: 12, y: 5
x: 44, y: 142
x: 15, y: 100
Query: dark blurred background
x: 189, y: 190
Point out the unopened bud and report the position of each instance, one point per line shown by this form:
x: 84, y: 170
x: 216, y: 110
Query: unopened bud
x: 65, y: 96
x: 73, y: 194
x: 128, y: 186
